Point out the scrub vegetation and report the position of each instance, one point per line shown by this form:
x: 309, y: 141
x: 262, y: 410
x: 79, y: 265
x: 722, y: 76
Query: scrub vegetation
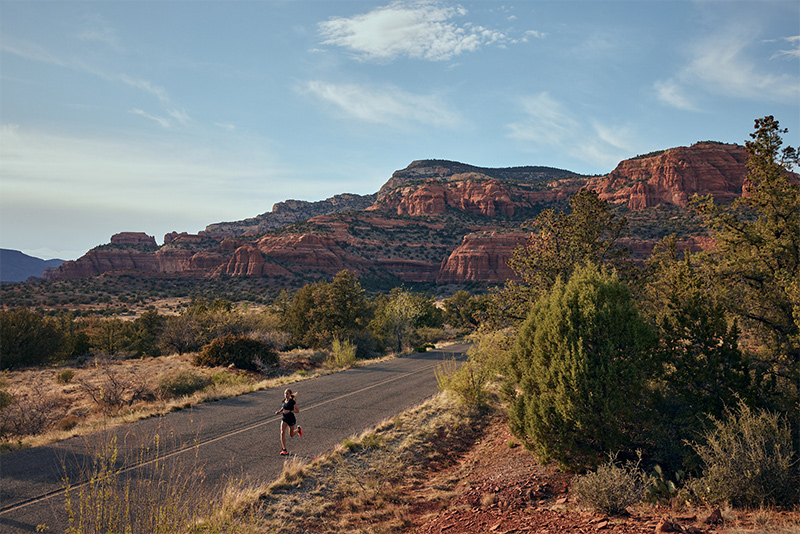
x: 674, y: 380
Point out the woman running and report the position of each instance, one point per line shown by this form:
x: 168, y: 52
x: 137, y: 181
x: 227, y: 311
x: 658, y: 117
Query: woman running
x: 288, y: 420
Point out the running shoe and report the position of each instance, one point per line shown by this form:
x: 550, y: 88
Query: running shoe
x: 300, y: 430
x: 284, y: 452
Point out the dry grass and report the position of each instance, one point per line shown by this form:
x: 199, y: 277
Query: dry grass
x: 760, y: 521
x: 362, y: 484
x: 56, y: 403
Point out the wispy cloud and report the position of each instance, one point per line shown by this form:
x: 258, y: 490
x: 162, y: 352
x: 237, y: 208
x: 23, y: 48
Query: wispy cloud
x: 535, y: 34
x: 32, y: 52
x: 544, y: 121
x: 420, y: 30
x: 385, y: 105
x: 160, y: 120
x: 97, y: 29
x: 792, y: 53
x: 672, y: 94
x: 146, y: 86
x: 728, y: 64
x: 547, y: 124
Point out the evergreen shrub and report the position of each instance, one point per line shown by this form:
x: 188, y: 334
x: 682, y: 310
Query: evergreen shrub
x: 581, y: 360
x: 238, y: 351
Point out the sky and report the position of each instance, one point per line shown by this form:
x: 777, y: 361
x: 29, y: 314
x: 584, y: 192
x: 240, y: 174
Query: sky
x: 161, y: 116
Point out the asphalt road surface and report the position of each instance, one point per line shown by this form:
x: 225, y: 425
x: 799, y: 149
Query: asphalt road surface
x: 231, y: 438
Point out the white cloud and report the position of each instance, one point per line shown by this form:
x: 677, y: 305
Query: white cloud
x: 547, y: 124
x: 545, y: 121
x: 728, y: 64
x: 793, y: 53
x: 535, y: 34
x: 672, y: 94
x: 160, y: 120
x: 146, y: 86
x: 420, y: 30
x: 385, y: 105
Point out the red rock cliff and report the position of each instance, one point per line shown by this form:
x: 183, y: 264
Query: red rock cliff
x: 482, y: 257
x: 673, y: 176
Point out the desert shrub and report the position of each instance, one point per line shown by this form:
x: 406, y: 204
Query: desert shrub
x: 426, y: 335
x: 468, y: 381
x: 117, y: 387
x: 226, y: 378
x: 663, y: 488
x: 6, y: 398
x: 68, y: 423
x: 612, y: 488
x: 581, y: 360
x: 181, y: 384
x: 749, y: 460
x: 65, y: 376
x: 31, y: 414
x: 238, y: 351
x: 342, y: 355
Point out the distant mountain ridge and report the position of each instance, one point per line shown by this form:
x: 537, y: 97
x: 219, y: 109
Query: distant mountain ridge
x: 16, y: 266
x: 291, y: 211
x: 426, y: 169
x: 435, y: 221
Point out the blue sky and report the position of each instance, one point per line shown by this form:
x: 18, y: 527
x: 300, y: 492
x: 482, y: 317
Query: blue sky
x: 160, y: 116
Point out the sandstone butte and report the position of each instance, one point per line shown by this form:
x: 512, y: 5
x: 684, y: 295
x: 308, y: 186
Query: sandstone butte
x: 434, y: 221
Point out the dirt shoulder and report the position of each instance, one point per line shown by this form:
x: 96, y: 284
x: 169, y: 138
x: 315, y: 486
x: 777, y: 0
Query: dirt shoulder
x: 500, y: 488
x: 439, y: 469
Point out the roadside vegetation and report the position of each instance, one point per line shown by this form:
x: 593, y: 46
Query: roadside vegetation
x: 688, y: 365
x: 675, y: 380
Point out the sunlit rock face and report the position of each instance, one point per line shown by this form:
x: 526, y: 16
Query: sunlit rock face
x: 673, y: 176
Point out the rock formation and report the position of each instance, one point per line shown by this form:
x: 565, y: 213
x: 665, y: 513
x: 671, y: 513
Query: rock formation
x: 435, y: 221
x: 291, y: 211
x: 482, y: 257
x: 673, y: 176
x: 133, y: 238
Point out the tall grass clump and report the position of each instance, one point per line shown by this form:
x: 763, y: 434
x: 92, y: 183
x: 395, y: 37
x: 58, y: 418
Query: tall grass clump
x: 342, y: 355
x: 159, y: 497
x: 469, y: 381
x: 487, y: 360
x: 749, y: 460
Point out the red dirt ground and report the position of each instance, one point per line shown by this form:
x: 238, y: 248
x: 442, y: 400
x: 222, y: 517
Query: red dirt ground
x: 501, y: 489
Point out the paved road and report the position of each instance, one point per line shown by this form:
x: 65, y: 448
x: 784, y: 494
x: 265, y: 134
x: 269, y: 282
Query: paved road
x: 236, y: 437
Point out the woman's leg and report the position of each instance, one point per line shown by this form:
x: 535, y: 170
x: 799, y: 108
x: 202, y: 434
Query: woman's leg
x: 284, y: 426
x: 294, y: 430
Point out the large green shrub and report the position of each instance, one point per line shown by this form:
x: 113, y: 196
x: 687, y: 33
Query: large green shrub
x: 322, y: 311
x: 581, y: 360
x: 239, y: 351
x: 749, y: 460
